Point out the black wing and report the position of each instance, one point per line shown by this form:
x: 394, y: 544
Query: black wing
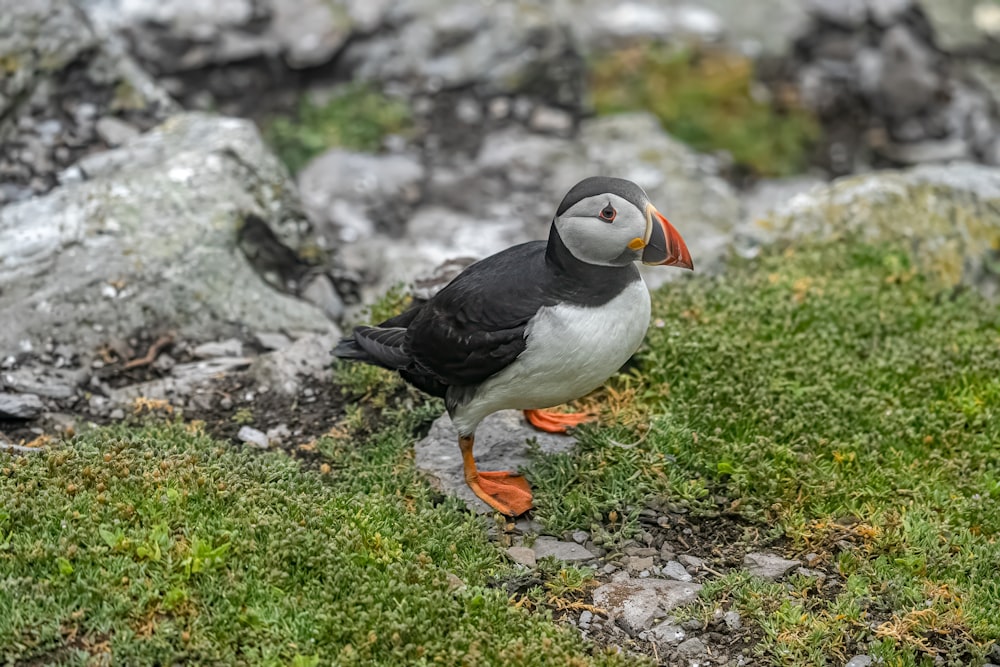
x: 474, y: 327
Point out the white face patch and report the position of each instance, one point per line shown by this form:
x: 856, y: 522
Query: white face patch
x: 596, y: 241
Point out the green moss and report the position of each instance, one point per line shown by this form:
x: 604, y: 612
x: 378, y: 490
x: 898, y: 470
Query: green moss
x: 832, y: 394
x: 706, y: 99
x: 158, y: 545
x: 357, y: 117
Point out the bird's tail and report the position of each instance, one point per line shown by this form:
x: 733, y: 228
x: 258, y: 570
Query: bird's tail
x: 381, y: 346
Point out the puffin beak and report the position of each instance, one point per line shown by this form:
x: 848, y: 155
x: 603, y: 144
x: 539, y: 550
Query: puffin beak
x: 663, y: 244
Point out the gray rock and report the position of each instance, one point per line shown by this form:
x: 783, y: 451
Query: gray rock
x: 501, y: 444
x: 252, y: 436
x: 860, y: 661
x: 640, y: 563
x: 580, y: 536
x: 231, y: 347
x: 522, y: 555
x: 733, y: 620
x: 270, y: 340
x: 636, y: 603
x: 160, y: 221
x: 52, y: 57
x: 350, y: 195
x: 565, y: 551
x: 307, y: 358
x: 691, y: 561
x: 768, y: 566
x: 20, y: 406
x: 115, y: 132
x: 668, y: 633
x: 949, y: 216
x: 180, y: 35
x: 954, y: 22
x: 845, y: 13
x: 675, y: 570
x: 692, y: 648
x: 433, y: 44
x: 585, y: 618
x: 764, y: 26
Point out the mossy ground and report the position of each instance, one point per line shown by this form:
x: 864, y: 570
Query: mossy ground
x: 836, y: 396
x: 832, y: 394
x: 708, y: 99
x: 356, y: 116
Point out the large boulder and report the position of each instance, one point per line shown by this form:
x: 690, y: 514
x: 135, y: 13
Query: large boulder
x: 192, y: 227
x: 64, y: 93
x: 509, y: 192
x: 949, y: 216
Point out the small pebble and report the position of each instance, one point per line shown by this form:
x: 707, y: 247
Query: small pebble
x: 675, y: 570
x: 585, y: 618
x: 733, y: 620
x: 580, y: 536
x: 118, y: 414
x: 252, y: 436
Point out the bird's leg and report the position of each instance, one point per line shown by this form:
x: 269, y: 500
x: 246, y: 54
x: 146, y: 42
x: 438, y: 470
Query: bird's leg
x: 506, y: 492
x: 556, y: 422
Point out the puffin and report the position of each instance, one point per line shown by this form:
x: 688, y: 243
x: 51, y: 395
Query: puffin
x: 533, y: 326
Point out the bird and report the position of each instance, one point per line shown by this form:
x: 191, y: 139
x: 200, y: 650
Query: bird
x: 533, y: 326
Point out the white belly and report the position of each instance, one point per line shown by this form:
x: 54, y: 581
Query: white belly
x: 571, y: 350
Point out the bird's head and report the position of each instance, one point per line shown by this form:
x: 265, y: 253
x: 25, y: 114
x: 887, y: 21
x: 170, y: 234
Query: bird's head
x: 611, y: 222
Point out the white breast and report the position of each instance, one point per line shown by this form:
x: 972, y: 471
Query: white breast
x: 571, y: 350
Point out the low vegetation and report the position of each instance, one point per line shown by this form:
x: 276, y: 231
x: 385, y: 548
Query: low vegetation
x: 839, y: 399
x: 155, y: 544
x: 830, y: 395
x: 710, y: 100
x: 356, y: 116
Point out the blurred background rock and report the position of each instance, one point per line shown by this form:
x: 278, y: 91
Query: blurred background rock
x: 260, y: 169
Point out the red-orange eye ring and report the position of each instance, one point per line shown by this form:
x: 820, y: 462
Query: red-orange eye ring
x: 608, y: 213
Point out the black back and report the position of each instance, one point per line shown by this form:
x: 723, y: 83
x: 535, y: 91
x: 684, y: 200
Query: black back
x: 474, y: 327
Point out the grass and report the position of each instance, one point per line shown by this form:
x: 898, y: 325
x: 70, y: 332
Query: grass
x: 709, y: 100
x: 831, y: 394
x: 154, y: 544
x: 834, y: 395
x: 357, y: 117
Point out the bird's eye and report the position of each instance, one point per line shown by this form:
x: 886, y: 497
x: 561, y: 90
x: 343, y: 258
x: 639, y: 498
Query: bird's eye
x: 608, y: 213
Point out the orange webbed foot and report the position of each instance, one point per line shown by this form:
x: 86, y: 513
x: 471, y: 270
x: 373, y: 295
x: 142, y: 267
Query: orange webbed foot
x: 556, y: 422
x: 506, y: 492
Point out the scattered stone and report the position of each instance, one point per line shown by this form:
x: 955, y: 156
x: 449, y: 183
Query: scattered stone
x: 580, y: 536
x: 733, y: 620
x: 564, y: 551
x: 279, y: 434
x: 501, y: 444
x: 806, y: 572
x: 636, y: 603
x: 668, y: 633
x: 692, y: 648
x: 691, y: 561
x: 585, y: 618
x: 768, y: 566
x: 286, y: 369
x: 252, y: 436
x: 675, y: 570
x: 231, y: 347
x: 115, y: 132
x: 522, y: 555
x: 117, y: 414
x: 860, y: 661
x: 639, y: 563
x: 554, y: 121
x: 272, y: 340
x: 20, y: 406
